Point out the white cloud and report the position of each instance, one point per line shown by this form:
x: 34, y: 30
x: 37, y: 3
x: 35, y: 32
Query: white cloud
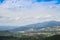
x: 24, y: 12
x: 17, y: 18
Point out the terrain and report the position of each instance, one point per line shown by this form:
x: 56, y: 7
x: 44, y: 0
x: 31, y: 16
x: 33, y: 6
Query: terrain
x: 49, y: 30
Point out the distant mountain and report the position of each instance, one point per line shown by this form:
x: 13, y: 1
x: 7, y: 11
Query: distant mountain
x: 51, y: 24
x: 7, y: 27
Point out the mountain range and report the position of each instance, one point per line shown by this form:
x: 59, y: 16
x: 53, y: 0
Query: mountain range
x: 38, y: 26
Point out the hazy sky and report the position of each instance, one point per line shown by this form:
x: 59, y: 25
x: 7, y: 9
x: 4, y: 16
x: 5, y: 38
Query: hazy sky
x: 24, y: 12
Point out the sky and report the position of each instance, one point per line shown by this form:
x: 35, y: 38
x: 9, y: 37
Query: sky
x: 25, y: 12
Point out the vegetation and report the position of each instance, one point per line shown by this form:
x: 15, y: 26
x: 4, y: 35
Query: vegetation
x: 27, y: 37
x: 46, y: 34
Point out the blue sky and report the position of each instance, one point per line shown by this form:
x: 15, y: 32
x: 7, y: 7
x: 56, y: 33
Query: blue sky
x: 58, y: 1
x: 24, y: 12
x: 43, y: 0
x: 1, y: 1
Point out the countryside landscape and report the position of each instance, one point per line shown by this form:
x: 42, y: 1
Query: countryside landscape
x: 47, y: 31
x: 29, y: 19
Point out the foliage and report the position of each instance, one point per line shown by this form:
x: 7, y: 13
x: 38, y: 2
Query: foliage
x: 24, y: 37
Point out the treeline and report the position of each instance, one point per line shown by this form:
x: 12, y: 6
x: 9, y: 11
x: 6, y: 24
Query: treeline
x: 55, y: 37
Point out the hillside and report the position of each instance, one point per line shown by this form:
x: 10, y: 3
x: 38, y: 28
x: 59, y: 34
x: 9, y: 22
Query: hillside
x: 45, y: 25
